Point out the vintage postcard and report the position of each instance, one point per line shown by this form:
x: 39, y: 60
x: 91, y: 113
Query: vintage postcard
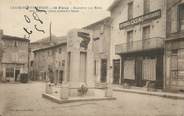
x: 91, y: 57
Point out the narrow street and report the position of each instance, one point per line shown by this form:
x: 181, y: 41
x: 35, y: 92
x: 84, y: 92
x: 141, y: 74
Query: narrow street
x: 26, y: 100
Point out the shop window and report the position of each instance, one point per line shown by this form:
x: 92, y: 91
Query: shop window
x: 130, y: 39
x: 146, y: 6
x: 181, y: 17
x: 130, y: 10
x: 9, y: 72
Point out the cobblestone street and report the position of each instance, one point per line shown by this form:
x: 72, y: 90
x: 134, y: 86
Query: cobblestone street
x: 26, y: 100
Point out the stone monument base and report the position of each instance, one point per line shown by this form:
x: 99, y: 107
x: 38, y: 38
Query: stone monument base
x: 73, y: 92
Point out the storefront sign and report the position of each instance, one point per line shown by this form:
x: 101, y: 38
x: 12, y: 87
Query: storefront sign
x: 152, y: 15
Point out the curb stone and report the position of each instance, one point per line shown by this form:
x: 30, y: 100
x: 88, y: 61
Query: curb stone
x: 165, y: 95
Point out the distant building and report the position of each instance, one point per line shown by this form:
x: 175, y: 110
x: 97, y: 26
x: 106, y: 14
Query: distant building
x: 1, y: 54
x: 175, y: 46
x: 137, y: 42
x: 43, y: 43
x: 101, y: 48
x: 14, y: 57
x: 49, y: 62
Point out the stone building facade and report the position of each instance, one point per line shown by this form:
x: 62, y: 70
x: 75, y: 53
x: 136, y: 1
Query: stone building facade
x: 49, y: 62
x: 137, y: 42
x: 14, y: 58
x: 43, y: 43
x: 101, y: 47
x: 175, y: 46
x: 1, y: 54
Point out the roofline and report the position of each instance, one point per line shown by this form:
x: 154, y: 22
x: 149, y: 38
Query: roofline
x: 50, y: 47
x: 115, y: 3
x: 14, y: 38
x: 95, y: 23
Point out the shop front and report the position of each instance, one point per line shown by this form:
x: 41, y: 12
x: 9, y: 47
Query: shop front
x: 11, y: 72
x: 142, y: 69
x: 175, y: 65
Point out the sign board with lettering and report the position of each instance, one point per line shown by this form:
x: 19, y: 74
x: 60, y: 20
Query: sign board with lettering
x: 152, y: 15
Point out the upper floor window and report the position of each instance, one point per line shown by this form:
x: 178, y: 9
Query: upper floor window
x: 146, y: 6
x: 130, y: 39
x: 181, y: 17
x: 15, y: 44
x: 60, y: 50
x: 53, y: 52
x: 146, y: 32
x: 130, y: 10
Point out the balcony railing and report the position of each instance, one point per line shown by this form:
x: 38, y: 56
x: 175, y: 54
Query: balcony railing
x: 140, y: 45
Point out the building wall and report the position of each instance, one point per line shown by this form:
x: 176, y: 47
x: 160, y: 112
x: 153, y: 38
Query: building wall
x: 15, y: 56
x: 15, y: 53
x: 101, y: 46
x: 174, y: 48
x: 53, y: 58
x: 119, y: 14
x: 1, y: 55
x: 172, y: 15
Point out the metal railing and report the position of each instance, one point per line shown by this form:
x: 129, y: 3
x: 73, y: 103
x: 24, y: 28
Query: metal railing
x: 140, y: 45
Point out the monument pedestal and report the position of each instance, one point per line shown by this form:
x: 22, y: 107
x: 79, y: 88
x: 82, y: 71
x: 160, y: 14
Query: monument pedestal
x: 64, y: 91
x: 48, y: 88
x: 80, y: 60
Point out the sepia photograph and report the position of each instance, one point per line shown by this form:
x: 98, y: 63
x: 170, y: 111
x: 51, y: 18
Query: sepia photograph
x: 91, y: 57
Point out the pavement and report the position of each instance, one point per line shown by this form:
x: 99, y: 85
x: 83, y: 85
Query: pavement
x: 152, y: 93
x: 26, y: 100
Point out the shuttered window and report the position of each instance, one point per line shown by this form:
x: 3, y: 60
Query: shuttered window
x: 146, y: 6
x: 130, y: 39
x: 129, y: 69
x: 146, y: 32
x: 181, y: 64
x: 130, y: 10
x: 149, y: 69
x: 177, y: 64
x: 181, y: 17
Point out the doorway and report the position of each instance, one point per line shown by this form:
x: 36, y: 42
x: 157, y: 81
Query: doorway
x: 116, y: 71
x: 138, y: 72
x: 103, y: 70
x: 60, y: 76
x: 17, y: 72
